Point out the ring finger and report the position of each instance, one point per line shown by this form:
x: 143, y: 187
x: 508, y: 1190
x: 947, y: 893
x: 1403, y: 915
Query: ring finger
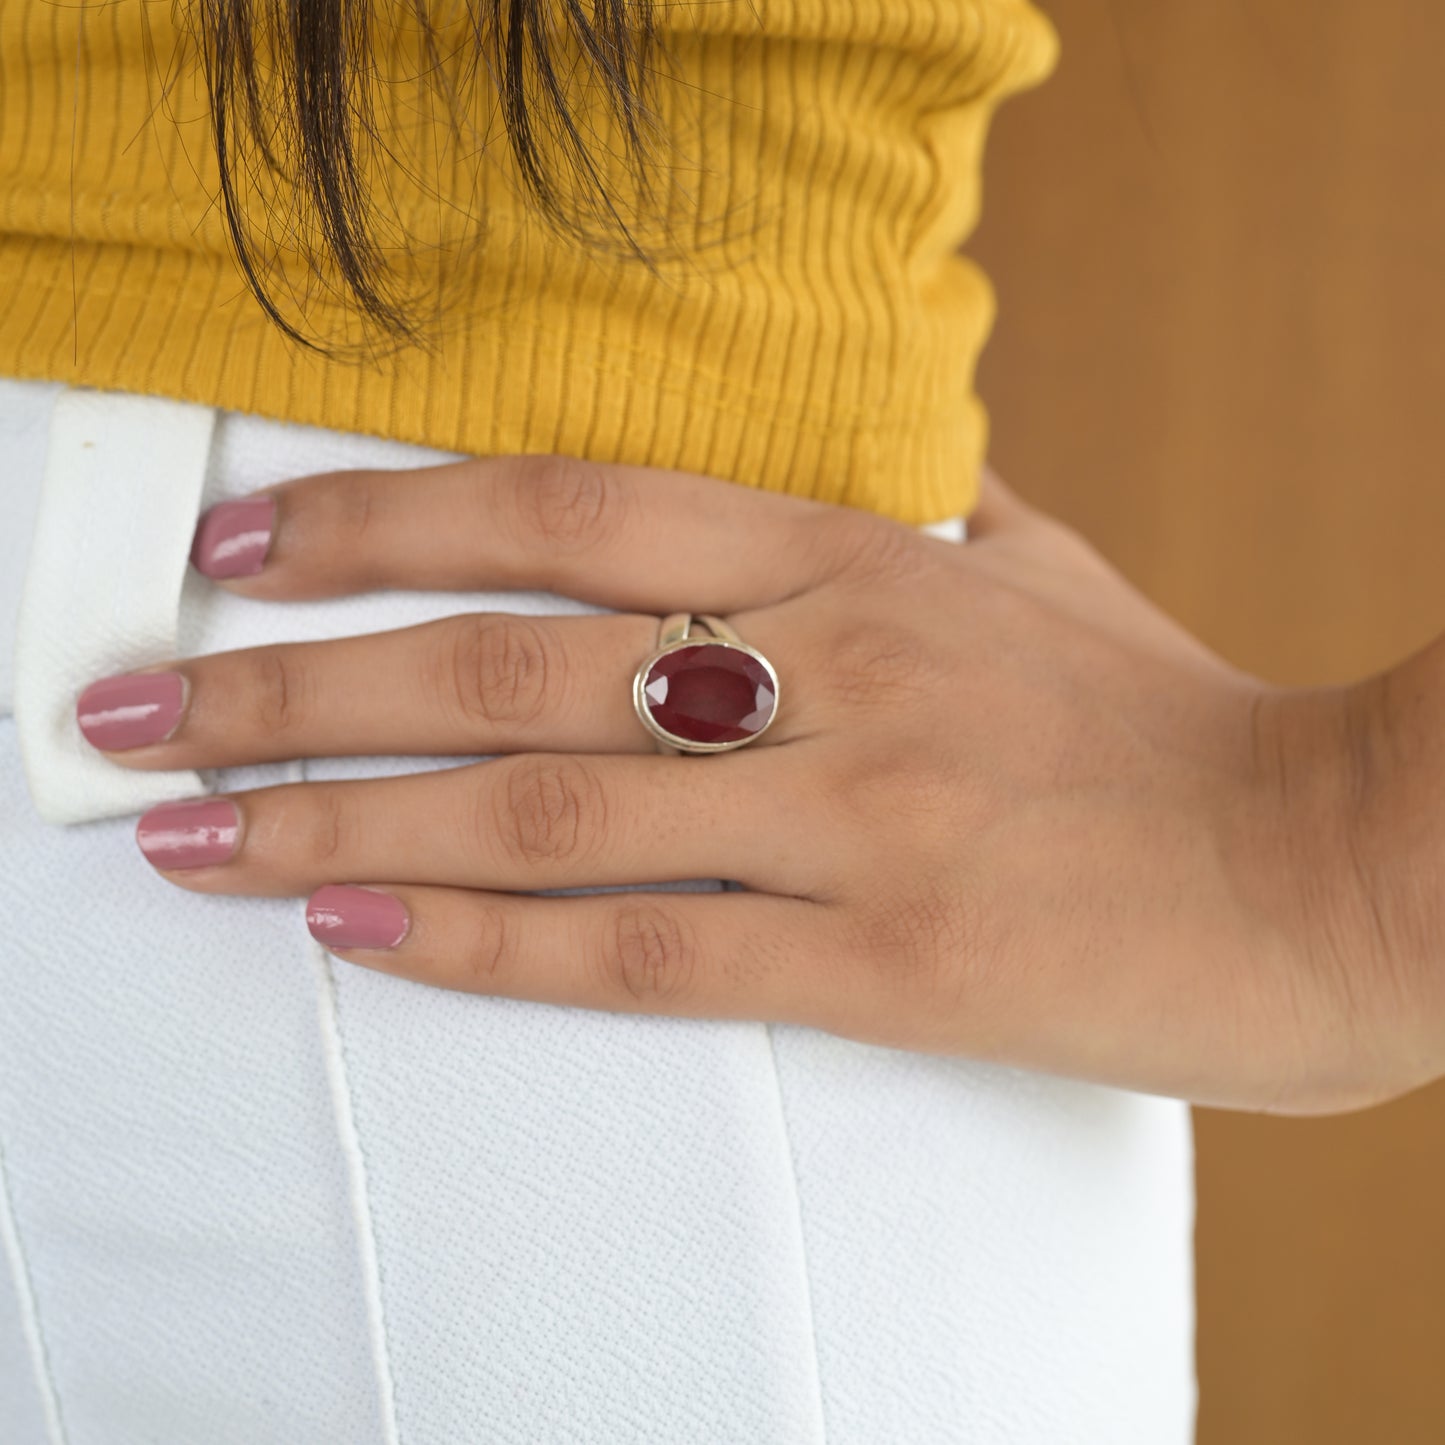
x: 522, y: 823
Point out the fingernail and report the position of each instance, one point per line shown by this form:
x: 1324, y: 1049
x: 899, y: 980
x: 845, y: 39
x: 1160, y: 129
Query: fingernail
x: 189, y: 834
x: 232, y: 538
x: 131, y: 710
x: 341, y: 916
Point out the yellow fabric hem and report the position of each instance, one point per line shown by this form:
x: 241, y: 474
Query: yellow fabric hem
x: 624, y: 402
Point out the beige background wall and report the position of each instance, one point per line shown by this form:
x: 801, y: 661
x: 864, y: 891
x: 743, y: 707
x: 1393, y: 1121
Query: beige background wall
x: 1218, y: 239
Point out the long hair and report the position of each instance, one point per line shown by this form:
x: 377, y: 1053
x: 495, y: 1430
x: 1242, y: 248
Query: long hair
x: 290, y: 85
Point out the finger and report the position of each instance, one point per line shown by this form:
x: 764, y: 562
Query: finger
x: 632, y: 538
x: 999, y: 508
x: 723, y: 955
x: 527, y: 822
x: 478, y: 683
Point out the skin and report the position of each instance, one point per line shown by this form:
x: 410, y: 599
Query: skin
x: 1007, y: 809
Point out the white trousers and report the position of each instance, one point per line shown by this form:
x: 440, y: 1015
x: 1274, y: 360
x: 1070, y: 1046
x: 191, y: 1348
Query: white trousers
x: 250, y: 1195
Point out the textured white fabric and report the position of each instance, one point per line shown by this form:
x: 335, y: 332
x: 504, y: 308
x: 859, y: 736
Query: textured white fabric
x: 261, y: 1196
x: 24, y: 425
x: 118, y: 502
x: 26, y: 1397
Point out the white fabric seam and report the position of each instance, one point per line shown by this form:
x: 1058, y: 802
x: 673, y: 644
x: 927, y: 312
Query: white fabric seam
x: 349, y: 1139
x: 822, y: 1411
x: 29, y: 1312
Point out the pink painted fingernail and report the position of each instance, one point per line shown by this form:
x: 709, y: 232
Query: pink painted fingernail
x: 131, y: 710
x: 341, y: 916
x: 232, y: 538
x: 191, y: 834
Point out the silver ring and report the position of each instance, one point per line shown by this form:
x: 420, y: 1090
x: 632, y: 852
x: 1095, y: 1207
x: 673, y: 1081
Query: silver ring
x: 704, y: 691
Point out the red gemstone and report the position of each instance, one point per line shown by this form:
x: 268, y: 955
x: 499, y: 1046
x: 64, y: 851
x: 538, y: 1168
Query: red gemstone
x: 709, y: 693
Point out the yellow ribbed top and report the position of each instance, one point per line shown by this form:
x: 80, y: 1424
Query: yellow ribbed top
x: 808, y: 324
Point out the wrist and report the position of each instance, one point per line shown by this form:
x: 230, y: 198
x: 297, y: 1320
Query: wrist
x: 1396, y: 826
x: 1352, y: 783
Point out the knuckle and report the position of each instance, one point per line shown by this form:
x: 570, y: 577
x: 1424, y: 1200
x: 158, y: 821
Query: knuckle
x: 488, y: 952
x: 279, y: 689
x: 915, y: 937
x: 499, y: 669
x: 871, y: 548
x: 929, y: 793
x: 931, y: 802
x: 328, y: 826
x: 552, y: 809
x: 648, y: 955
x: 567, y: 504
x: 881, y: 663
x: 347, y: 509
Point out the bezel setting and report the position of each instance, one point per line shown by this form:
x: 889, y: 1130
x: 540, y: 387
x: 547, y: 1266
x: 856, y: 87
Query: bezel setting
x: 678, y: 635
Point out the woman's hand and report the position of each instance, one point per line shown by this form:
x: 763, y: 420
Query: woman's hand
x: 1007, y: 809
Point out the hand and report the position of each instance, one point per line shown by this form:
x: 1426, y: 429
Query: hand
x: 1007, y: 809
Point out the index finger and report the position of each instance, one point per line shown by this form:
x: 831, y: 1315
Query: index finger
x: 633, y: 538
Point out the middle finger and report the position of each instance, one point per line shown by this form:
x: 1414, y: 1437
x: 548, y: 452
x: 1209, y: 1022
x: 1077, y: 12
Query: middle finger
x: 478, y: 683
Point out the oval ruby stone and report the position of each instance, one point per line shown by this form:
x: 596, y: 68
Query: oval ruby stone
x: 709, y: 693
